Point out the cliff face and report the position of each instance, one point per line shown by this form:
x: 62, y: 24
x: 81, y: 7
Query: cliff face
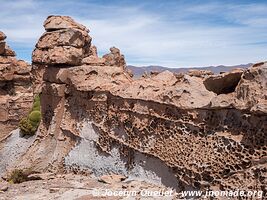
x: 192, y: 130
x: 15, y: 88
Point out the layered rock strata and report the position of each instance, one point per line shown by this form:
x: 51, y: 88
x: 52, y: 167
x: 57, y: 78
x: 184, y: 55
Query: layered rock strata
x: 15, y: 88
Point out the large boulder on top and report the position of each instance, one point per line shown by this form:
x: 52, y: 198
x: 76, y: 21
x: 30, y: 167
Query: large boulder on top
x: 66, y: 42
x: 53, y: 23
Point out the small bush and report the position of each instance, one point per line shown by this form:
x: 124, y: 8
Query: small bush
x: 18, y: 176
x: 29, y: 125
x: 37, y: 98
x: 26, y: 127
x: 35, y: 116
x: 36, y: 106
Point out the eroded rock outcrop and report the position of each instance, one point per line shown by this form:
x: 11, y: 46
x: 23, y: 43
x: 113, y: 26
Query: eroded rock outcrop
x: 199, y: 73
x: 223, y: 83
x: 252, y: 88
x: 194, y: 130
x: 114, y: 58
x: 65, y: 42
x: 15, y: 88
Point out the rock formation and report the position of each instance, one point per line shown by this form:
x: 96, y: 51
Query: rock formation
x: 114, y: 58
x: 223, y: 83
x: 187, y: 131
x: 65, y: 42
x: 15, y: 88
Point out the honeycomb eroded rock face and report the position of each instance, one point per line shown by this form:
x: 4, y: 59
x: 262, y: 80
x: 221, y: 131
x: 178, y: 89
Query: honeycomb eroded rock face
x: 201, y: 131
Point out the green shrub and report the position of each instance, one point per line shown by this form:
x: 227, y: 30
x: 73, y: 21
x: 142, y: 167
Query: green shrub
x: 26, y: 127
x: 29, y: 125
x: 36, y: 106
x: 35, y: 116
x: 37, y: 98
x: 17, y: 176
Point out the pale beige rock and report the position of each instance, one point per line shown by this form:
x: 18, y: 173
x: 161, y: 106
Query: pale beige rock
x: 112, y: 178
x: 3, y: 187
x: 42, y: 176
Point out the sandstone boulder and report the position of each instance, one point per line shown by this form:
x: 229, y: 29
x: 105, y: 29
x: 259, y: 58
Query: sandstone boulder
x: 66, y: 42
x: 62, y: 22
x: 65, y: 37
x: 166, y: 87
x: 112, y: 178
x: 84, y: 77
x: 58, y: 55
x: 115, y: 58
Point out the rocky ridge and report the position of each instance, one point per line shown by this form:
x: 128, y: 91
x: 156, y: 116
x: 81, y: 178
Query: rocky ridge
x: 15, y: 88
x: 186, y: 131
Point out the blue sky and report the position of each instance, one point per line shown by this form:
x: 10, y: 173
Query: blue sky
x: 171, y: 33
